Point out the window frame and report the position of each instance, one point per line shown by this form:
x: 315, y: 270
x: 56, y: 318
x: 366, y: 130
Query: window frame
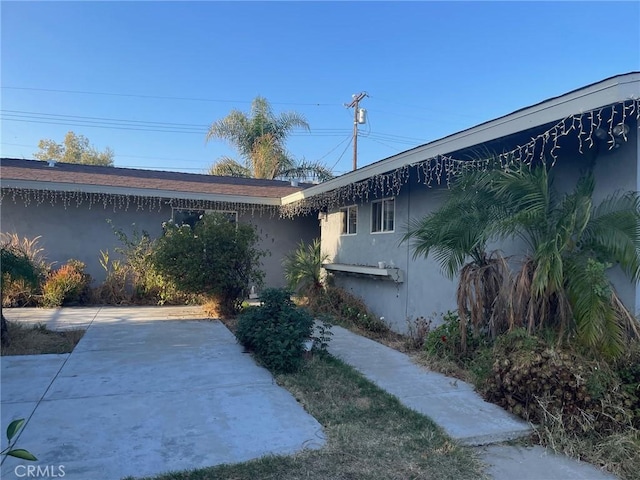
x: 346, y: 211
x: 382, y: 202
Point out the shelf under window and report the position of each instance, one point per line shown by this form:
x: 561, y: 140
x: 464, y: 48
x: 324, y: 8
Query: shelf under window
x: 393, y: 274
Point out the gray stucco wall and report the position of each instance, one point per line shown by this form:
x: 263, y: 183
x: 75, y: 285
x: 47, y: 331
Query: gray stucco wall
x: 81, y: 233
x: 426, y: 291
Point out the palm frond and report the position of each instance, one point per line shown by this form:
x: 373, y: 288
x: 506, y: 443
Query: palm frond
x: 613, y: 232
x: 227, y: 167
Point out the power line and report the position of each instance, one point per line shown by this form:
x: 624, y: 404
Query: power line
x: 341, y: 155
x: 161, y: 97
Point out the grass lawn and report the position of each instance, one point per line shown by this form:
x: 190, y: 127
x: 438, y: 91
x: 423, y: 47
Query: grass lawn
x: 370, y: 435
x: 38, y: 339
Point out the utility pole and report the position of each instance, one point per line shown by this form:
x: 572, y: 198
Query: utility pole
x: 359, y: 116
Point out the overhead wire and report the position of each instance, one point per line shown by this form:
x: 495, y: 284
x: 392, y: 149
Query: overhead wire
x: 160, y: 97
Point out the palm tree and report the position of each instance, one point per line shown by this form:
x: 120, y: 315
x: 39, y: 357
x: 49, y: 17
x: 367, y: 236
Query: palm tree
x: 570, y: 244
x: 260, y: 139
x: 457, y: 236
x: 302, y: 268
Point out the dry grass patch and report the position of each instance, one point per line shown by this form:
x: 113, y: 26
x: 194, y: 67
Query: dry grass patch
x: 38, y: 339
x: 369, y: 433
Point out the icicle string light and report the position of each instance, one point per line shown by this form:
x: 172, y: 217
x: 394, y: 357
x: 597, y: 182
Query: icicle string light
x: 438, y: 170
x: 125, y: 202
x: 442, y: 169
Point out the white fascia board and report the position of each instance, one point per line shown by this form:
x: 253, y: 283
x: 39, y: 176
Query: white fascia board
x: 607, y: 92
x: 141, y: 192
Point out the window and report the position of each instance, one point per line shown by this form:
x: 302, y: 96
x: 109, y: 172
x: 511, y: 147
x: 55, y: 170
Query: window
x: 349, y: 220
x: 382, y: 215
x: 191, y: 217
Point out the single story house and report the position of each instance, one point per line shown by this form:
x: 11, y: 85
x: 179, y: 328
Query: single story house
x: 362, y: 215
x: 68, y: 205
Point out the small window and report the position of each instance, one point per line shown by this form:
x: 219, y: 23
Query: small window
x: 349, y: 220
x: 382, y: 215
x: 191, y: 217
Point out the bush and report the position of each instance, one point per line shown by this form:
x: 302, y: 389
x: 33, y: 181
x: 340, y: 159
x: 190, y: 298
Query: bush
x: 348, y: 309
x: 276, y: 330
x: 66, y: 286
x: 134, y: 278
x: 216, y: 258
x: 445, y: 340
x: 20, y: 290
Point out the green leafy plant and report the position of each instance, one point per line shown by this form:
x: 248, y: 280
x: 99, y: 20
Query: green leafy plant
x: 66, y: 285
x: 216, y: 258
x: 303, y: 267
x: 322, y: 334
x: 12, y: 430
x: 276, y: 330
x: 20, y: 291
x: 14, y: 264
x: 562, y: 282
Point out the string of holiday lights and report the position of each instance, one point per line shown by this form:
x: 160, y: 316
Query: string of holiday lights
x: 125, y: 202
x: 606, y: 124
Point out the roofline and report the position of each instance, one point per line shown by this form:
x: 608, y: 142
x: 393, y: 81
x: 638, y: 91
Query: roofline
x: 141, y: 192
x: 605, y: 92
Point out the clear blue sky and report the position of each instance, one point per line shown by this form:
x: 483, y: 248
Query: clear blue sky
x: 431, y: 69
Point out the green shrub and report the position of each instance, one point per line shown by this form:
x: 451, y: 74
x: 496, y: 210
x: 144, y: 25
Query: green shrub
x: 134, y: 278
x: 66, y: 286
x: 348, y: 309
x: 276, y: 330
x: 445, y: 340
x: 216, y: 258
x: 21, y: 287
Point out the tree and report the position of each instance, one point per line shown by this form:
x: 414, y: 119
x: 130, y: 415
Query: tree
x: 260, y: 140
x: 74, y: 149
x: 570, y: 244
x: 14, y: 264
x: 216, y: 258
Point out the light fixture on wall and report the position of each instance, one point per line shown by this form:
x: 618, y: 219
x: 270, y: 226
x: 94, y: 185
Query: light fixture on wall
x: 620, y: 131
x: 616, y: 137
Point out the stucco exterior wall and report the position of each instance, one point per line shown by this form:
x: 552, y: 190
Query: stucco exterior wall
x: 80, y: 233
x: 426, y: 291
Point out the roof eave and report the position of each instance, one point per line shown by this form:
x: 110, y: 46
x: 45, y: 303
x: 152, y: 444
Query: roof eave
x: 140, y: 192
x: 606, y: 92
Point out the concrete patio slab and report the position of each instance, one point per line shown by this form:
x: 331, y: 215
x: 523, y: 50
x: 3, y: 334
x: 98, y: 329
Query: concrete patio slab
x: 140, y: 396
x: 26, y: 378
x: 450, y: 403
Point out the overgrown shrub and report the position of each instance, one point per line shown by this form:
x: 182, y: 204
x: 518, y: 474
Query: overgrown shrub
x: 346, y: 308
x: 216, y: 258
x: 446, y: 341
x: 133, y: 277
x: 18, y: 291
x: 276, y: 330
x: 537, y: 381
x: 67, y: 285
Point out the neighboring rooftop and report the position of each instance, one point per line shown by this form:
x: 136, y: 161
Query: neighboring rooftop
x: 38, y: 175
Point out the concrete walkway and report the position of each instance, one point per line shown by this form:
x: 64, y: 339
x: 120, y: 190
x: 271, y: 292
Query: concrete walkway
x: 145, y: 392
x: 459, y: 411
